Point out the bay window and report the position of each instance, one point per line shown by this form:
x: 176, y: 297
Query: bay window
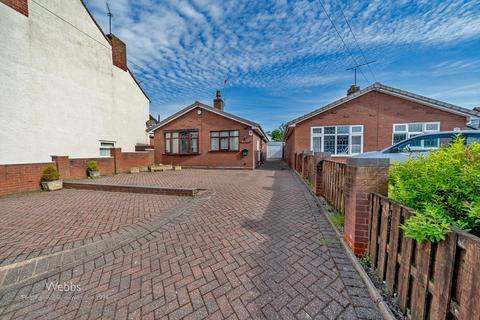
x: 181, y: 142
x: 227, y: 140
x: 403, y: 131
x: 337, y: 140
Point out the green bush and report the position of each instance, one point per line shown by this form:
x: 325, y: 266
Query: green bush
x: 443, y: 188
x: 92, y: 165
x: 50, y: 174
x: 338, y: 219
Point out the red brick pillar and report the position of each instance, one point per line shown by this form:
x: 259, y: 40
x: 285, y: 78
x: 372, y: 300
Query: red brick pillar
x: 318, y: 170
x: 63, y: 166
x: 363, y: 176
x: 116, y: 153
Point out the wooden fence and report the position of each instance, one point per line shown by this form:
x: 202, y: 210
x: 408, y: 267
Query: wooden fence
x: 431, y: 281
x: 333, y: 183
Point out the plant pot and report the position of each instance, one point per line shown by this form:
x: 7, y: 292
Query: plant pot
x: 93, y: 174
x: 52, y: 185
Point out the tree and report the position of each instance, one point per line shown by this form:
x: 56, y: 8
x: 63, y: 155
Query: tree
x: 278, y: 134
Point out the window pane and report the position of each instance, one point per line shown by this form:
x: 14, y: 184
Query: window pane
x: 234, y: 133
x: 471, y: 139
x: 431, y: 142
x: 175, y: 134
x: 194, y: 145
x: 329, y: 130
x: 194, y: 134
x: 167, y: 145
x: 397, y: 137
x: 342, y: 144
x: 168, y: 135
x: 184, y: 143
x: 105, y: 152
x: 329, y: 145
x: 317, y: 144
x: 223, y: 133
x: 316, y: 130
x: 214, y: 134
x: 175, y: 145
x: 224, y: 144
x: 343, y: 129
x: 415, y: 127
x: 357, y: 129
x: 400, y: 127
x: 415, y: 142
x: 234, y: 143
x: 356, y: 144
x: 106, y: 144
x: 214, y: 144
x: 431, y: 126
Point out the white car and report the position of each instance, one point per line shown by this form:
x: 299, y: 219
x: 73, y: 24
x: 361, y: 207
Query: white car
x: 421, y: 144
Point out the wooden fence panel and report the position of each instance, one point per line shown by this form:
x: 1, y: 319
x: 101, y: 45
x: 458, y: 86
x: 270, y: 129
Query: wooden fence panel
x: 333, y: 184
x: 432, y: 281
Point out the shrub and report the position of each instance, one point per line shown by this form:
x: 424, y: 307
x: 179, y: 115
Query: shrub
x: 338, y: 219
x: 92, y: 165
x: 50, y: 174
x: 443, y: 188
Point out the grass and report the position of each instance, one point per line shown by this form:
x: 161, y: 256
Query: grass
x: 338, y: 219
x: 309, y: 183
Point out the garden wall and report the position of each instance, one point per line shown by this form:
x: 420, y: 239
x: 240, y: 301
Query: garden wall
x: 16, y: 178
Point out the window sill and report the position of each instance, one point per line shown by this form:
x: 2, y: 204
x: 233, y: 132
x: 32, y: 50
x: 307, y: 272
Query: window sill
x: 222, y: 151
x: 181, y: 154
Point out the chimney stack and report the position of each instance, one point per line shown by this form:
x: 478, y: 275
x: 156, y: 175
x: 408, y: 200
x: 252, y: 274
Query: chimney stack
x: 218, y: 102
x: 353, y: 88
x: 119, y: 52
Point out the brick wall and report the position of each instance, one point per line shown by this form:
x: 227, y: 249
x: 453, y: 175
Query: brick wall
x: 377, y: 112
x: 19, y: 5
x: 21, y: 177
x: 206, y: 122
x: 26, y: 177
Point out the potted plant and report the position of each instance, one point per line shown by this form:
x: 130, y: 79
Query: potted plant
x: 51, y: 179
x: 92, y: 169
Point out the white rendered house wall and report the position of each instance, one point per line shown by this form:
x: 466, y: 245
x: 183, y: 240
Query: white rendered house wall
x: 60, y: 94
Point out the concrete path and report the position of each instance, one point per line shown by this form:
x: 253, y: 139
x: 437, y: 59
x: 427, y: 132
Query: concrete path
x: 254, y: 246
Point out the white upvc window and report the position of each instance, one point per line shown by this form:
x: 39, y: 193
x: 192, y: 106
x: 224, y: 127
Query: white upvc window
x: 403, y: 131
x: 105, y: 147
x: 338, y: 140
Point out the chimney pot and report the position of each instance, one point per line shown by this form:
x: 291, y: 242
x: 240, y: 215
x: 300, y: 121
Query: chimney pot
x: 353, y: 88
x: 218, y: 102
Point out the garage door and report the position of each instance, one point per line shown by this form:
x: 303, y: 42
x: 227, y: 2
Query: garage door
x: 274, y: 150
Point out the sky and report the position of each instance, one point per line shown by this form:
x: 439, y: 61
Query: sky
x: 282, y: 59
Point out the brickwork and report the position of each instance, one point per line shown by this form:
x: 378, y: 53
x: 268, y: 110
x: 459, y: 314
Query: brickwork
x: 362, y: 177
x: 205, y: 122
x: 377, y: 112
x: 257, y: 247
x: 119, y: 52
x: 21, y: 177
x: 19, y: 5
x: 26, y: 177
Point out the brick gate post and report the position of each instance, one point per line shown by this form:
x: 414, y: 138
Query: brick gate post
x: 362, y: 177
x: 116, y: 153
x: 318, y: 158
x: 63, y: 166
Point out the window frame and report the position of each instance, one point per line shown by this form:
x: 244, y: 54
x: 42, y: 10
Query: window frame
x: 112, y: 143
x: 169, y: 141
x: 411, y: 134
x: 230, y: 134
x: 350, y: 134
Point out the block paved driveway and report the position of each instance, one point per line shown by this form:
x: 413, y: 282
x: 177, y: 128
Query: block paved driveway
x: 254, y: 246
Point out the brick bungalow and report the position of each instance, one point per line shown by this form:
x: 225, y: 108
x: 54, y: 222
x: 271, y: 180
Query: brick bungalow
x: 200, y: 136
x: 372, y: 119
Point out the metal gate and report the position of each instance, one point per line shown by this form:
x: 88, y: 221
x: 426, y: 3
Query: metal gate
x: 274, y: 150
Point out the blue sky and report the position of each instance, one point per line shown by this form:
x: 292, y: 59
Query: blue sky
x: 284, y: 58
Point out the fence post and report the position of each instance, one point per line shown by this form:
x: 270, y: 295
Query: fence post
x: 305, y: 167
x: 63, y: 166
x: 318, y: 159
x: 362, y: 177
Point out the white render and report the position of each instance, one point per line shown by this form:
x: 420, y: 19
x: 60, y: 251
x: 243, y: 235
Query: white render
x: 60, y: 94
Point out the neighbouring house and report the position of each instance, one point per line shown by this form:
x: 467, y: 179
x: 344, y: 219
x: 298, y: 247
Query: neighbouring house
x: 201, y: 136
x: 66, y: 88
x: 372, y: 119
